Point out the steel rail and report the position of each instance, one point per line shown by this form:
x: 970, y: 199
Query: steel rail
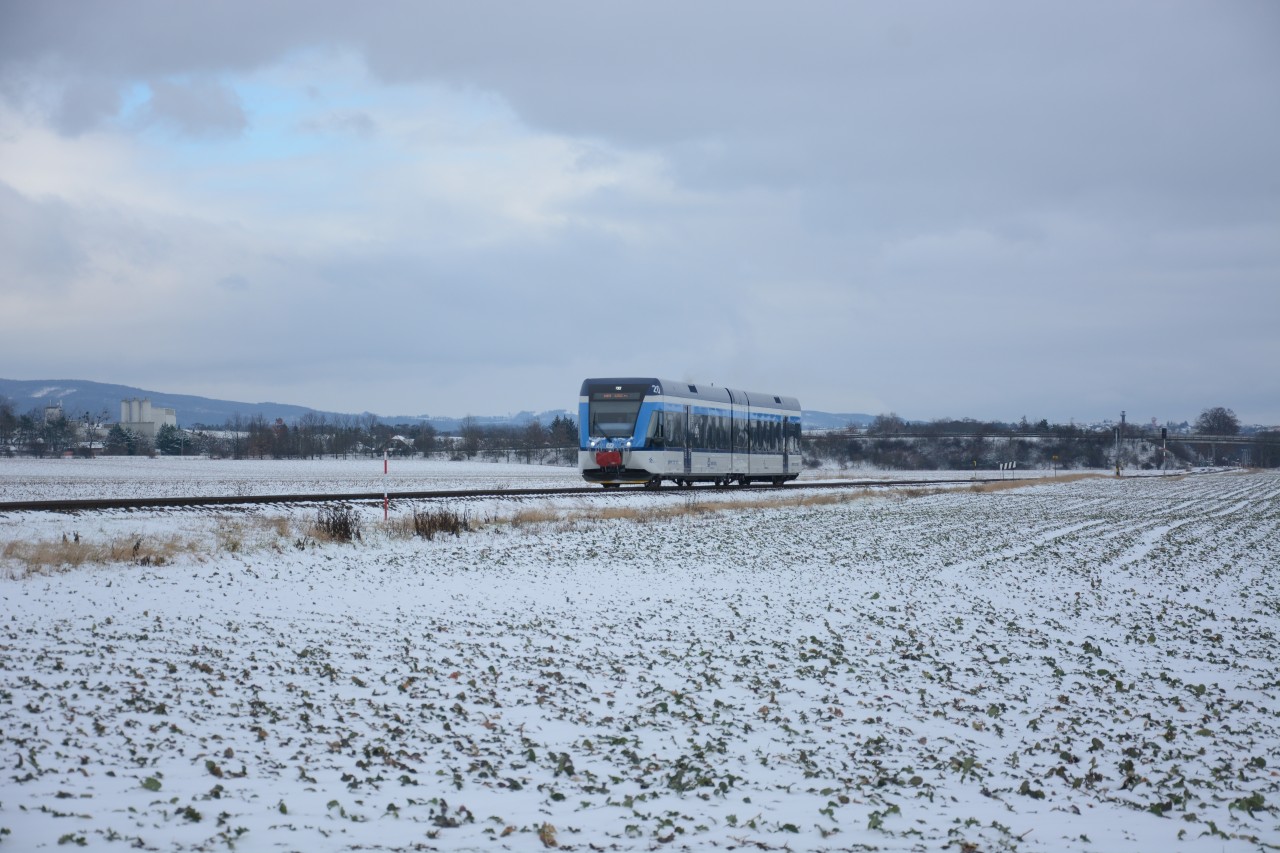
x: 83, y: 504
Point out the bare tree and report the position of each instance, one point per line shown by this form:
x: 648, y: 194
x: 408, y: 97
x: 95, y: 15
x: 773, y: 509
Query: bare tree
x: 1218, y: 421
x: 886, y: 424
x: 310, y: 431
x: 425, y: 438
x: 8, y: 425
x: 532, y: 439
x: 471, y: 433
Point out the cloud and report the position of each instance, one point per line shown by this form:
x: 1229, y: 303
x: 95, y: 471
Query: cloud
x: 85, y: 105
x: 926, y: 207
x: 235, y: 283
x: 36, y: 239
x: 198, y: 108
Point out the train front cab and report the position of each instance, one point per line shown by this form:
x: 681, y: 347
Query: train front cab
x: 609, y: 414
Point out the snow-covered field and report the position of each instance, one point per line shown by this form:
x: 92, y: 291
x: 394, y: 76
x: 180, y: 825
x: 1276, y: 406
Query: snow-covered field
x: 1081, y: 666
x: 174, y: 476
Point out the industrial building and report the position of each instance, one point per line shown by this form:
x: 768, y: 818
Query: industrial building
x: 143, y: 418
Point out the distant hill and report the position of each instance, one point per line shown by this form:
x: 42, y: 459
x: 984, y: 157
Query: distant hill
x: 79, y: 396
x: 833, y: 420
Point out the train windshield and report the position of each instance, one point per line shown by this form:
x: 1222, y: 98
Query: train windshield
x: 612, y: 414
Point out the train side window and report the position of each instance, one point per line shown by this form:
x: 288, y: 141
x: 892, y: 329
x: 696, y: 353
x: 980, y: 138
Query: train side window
x: 657, y: 434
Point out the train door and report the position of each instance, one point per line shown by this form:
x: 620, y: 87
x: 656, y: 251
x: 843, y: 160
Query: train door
x: 786, y: 445
x: 688, y: 449
x: 786, y: 451
x: 737, y: 456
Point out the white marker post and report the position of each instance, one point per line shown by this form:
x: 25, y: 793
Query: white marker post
x: 385, y: 502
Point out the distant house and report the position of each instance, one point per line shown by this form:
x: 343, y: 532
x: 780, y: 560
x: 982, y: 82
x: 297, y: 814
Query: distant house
x: 143, y: 418
x: 399, y: 445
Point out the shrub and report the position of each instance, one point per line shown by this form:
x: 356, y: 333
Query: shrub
x: 338, y: 523
x: 430, y: 522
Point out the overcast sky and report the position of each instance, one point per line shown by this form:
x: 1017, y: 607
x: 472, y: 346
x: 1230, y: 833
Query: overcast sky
x: 941, y: 209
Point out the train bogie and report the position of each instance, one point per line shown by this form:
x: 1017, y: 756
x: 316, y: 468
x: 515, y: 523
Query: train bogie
x: 647, y: 431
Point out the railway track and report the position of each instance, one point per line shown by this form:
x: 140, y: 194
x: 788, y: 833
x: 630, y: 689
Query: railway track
x: 91, y: 504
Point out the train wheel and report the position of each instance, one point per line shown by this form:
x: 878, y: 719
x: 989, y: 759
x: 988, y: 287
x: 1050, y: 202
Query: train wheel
x: 655, y: 483
x: 610, y: 485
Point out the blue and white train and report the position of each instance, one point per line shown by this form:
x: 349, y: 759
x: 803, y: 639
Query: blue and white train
x: 645, y: 431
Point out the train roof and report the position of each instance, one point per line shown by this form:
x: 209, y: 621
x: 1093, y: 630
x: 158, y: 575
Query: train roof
x: 698, y: 391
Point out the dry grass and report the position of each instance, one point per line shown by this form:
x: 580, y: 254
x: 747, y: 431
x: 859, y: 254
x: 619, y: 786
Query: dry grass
x: 72, y: 550
x: 243, y: 534
x: 1004, y: 485
x: 339, y: 523
x: 281, y: 525
x: 69, y: 552
x: 429, y: 523
x: 534, y: 516
x: 694, y: 505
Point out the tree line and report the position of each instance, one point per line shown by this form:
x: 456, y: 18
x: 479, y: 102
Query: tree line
x: 888, y: 442
x: 34, y: 434
x: 891, y: 442
x: 314, y: 436
x: 310, y: 436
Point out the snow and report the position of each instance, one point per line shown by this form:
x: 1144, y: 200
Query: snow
x: 50, y: 390
x: 1072, y: 666
x: 24, y: 478
x: 173, y: 476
